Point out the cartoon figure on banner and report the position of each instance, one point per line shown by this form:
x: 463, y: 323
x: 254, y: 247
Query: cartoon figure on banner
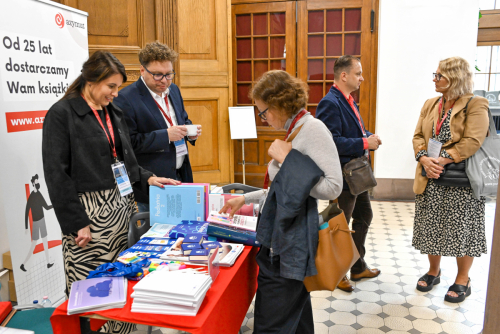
x: 36, y: 203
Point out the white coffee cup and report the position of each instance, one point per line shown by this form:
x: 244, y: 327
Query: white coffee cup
x: 192, y: 129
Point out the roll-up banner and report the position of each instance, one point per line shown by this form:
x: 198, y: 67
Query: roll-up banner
x: 42, y: 48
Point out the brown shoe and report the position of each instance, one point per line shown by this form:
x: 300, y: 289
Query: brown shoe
x: 345, y: 285
x: 368, y: 273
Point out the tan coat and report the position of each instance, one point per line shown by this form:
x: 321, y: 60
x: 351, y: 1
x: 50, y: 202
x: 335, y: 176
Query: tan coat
x: 468, y: 131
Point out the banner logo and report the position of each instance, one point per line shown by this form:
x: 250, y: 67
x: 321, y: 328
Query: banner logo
x: 59, y: 20
x: 489, y: 171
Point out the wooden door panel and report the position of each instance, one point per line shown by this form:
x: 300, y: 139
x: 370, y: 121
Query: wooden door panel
x: 204, y: 155
x: 210, y: 157
x: 197, y: 35
x: 326, y: 31
x: 263, y: 40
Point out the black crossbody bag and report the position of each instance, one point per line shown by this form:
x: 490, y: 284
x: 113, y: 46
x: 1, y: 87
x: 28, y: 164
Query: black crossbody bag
x: 454, y: 174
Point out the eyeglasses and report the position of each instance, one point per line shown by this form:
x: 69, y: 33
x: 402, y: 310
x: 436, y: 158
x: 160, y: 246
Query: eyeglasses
x: 437, y: 76
x: 159, y: 76
x: 262, y: 116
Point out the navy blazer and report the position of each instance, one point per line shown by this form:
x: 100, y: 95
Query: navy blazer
x: 336, y: 113
x: 289, y: 220
x: 148, y: 132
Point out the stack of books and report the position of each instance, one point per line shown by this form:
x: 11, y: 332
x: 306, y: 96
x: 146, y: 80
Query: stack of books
x: 240, y: 229
x: 171, y: 292
x: 171, y: 204
x: 96, y: 294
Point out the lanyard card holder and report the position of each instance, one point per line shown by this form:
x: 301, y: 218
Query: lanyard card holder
x: 121, y: 177
x: 180, y: 147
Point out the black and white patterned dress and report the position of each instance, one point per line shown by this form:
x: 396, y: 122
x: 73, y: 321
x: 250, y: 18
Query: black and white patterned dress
x: 109, y: 213
x: 449, y: 221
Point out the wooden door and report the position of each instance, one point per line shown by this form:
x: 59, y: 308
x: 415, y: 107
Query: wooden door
x: 263, y: 40
x: 328, y: 29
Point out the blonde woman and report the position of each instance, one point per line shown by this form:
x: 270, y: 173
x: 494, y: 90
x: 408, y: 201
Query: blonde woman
x: 449, y: 220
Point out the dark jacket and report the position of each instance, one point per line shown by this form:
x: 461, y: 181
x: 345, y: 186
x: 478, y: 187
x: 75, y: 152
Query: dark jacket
x: 336, y: 113
x: 148, y: 131
x: 76, y: 158
x: 289, y: 220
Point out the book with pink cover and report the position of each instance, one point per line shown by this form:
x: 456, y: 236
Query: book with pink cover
x: 242, y: 222
x: 217, y: 201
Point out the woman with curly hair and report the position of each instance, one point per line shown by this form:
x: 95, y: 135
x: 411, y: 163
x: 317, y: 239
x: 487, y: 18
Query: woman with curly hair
x: 301, y: 173
x: 449, y: 220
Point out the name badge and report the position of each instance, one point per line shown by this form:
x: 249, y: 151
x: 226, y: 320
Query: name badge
x: 180, y: 147
x: 121, y: 177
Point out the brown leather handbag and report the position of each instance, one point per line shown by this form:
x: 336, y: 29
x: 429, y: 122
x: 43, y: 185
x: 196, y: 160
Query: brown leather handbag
x: 335, y: 256
x: 359, y: 175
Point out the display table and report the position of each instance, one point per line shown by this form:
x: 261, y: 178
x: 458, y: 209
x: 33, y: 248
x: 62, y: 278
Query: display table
x: 223, y: 310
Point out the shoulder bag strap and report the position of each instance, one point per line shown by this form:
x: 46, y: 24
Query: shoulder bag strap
x: 294, y: 134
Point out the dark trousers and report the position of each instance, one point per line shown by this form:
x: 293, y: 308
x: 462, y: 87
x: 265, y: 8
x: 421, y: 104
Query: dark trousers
x: 359, y: 208
x: 282, y: 305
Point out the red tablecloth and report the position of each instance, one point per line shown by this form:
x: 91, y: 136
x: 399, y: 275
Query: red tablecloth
x: 223, y: 309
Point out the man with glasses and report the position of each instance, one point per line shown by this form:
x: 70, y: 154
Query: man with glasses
x: 156, y: 118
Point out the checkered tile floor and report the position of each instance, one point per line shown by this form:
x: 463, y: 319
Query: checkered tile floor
x: 390, y: 303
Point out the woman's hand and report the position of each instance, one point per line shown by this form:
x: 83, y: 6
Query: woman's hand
x: 279, y: 149
x: 233, y: 205
x: 160, y: 181
x: 431, y: 167
x: 444, y: 161
x: 84, y: 236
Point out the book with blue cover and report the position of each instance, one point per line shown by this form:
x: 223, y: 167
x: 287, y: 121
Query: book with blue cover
x: 194, y: 238
x: 172, y: 204
x: 211, y: 245
x: 148, y: 248
x: 231, y: 234
x: 189, y: 227
x: 189, y: 248
x: 157, y: 241
x: 199, y: 255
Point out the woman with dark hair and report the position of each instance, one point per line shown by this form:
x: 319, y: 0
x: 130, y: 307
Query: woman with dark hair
x: 305, y: 167
x: 85, y: 146
x: 449, y: 220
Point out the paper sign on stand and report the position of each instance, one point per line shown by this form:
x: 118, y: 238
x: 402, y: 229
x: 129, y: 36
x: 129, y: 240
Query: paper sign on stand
x: 242, y: 125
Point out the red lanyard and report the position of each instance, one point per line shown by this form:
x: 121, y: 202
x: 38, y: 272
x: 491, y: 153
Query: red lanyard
x: 108, y: 124
x: 295, y: 120
x: 163, y: 111
x: 440, y: 124
x: 351, y: 103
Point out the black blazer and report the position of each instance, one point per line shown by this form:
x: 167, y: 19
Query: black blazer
x: 76, y: 158
x: 337, y: 114
x: 148, y: 131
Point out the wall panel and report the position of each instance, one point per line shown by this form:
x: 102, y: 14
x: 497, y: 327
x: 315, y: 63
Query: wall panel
x: 198, y: 30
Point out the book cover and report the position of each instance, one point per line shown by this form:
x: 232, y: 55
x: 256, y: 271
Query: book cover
x: 189, y: 248
x: 241, y: 222
x: 194, y: 238
x: 157, y: 241
x: 231, y: 234
x: 97, y: 293
x: 199, y: 255
x: 211, y: 245
x: 189, y: 227
x: 217, y: 201
x: 207, y: 192
x: 158, y: 231
x: 172, y: 204
x: 136, y: 256
x: 175, y: 252
x: 148, y: 248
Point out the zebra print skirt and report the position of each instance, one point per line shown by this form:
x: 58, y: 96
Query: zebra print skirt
x: 109, y: 214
